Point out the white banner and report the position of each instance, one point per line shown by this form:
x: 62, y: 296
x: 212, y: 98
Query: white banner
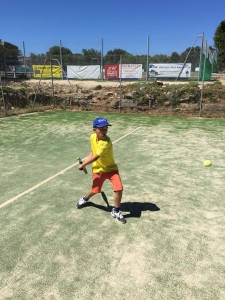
x: 169, y: 70
x: 84, y: 72
x: 131, y: 71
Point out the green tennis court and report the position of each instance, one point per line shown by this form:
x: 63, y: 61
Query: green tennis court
x: 173, y: 245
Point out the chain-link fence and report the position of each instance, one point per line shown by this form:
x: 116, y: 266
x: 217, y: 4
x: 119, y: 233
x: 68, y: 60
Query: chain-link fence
x: 21, y: 67
x: 174, y: 67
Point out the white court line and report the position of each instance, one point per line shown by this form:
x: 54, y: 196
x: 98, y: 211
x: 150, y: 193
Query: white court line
x: 126, y: 135
x: 51, y: 177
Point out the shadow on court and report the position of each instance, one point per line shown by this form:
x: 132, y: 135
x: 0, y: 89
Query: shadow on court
x: 136, y: 208
x: 130, y: 209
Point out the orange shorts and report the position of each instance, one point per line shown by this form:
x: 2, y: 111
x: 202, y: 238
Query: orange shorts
x: 99, y: 178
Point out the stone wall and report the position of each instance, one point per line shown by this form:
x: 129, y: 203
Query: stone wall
x: 130, y: 98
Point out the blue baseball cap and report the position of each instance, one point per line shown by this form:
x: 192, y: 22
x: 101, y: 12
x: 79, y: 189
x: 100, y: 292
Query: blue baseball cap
x: 100, y: 122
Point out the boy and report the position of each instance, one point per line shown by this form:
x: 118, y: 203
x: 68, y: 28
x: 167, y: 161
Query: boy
x: 103, y: 167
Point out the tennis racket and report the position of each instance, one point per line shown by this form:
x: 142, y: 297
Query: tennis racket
x: 105, y: 199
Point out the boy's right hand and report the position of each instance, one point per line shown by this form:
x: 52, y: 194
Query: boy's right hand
x: 81, y: 167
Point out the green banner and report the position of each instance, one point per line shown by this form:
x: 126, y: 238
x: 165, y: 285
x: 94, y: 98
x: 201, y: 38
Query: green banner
x: 214, y: 67
x: 205, y: 69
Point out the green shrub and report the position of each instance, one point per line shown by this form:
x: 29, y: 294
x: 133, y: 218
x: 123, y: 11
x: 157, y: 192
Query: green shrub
x: 98, y: 87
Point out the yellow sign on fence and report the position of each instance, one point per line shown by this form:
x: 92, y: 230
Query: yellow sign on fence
x: 46, y: 71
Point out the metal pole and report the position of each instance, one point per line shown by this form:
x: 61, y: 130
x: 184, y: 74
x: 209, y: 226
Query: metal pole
x: 42, y: 71
x: 187, y: 57
x: 120, y: 83
x: 203, y: 75
x: 52, y: 83
x: 102, y: 75
x: 5, y: 74
x: 61, y: 61
x: 24, y: 59
x: 3, y: 99
x: 147, y: 62
x: 4, y: 60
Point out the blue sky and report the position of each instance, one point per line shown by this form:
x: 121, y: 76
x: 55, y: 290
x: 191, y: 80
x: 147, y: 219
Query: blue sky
x: 126, y: 24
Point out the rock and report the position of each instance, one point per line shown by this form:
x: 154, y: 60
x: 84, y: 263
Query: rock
x: 128, y: 103
x: 169, y: 95
x: 143, y: 89
x: 167, y: 103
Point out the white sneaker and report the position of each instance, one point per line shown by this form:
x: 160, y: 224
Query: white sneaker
x: 81, y: 203
x: 118, y: 215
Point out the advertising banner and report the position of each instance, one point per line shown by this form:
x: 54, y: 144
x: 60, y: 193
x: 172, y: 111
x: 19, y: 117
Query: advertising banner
x: 84, y: 72
x: 133, y: 71
x: 169, y: 70
x: 128, y: 71
x: 46, y: 71
x: 112, y: 71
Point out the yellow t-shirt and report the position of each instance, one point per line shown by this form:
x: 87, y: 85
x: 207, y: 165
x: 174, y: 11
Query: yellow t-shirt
x: 103, y: 148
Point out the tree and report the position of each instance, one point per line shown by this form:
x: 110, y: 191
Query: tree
x: 175, y: 57
x: 193, y: 58
x: 160, y: 58
x: 113, y: 56
x: 55, y: 50
x: 37, y: 59
x: 219, y: 40
x: 9, y: 49
x: 117, y: 51
x: 8, y: 55
x: 91, y: 56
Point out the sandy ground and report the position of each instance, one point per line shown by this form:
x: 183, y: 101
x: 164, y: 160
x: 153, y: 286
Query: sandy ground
x: 89, y: 84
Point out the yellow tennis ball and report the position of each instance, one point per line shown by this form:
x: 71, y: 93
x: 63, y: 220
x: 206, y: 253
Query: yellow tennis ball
x: 207, y: 163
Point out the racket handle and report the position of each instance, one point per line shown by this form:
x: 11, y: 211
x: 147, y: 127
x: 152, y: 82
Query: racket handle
x: 80, y: 162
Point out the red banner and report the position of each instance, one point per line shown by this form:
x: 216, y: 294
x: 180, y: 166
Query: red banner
x: 112, y: 71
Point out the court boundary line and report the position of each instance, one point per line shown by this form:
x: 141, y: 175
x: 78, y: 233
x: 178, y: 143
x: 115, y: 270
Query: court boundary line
x: 7, y: 202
